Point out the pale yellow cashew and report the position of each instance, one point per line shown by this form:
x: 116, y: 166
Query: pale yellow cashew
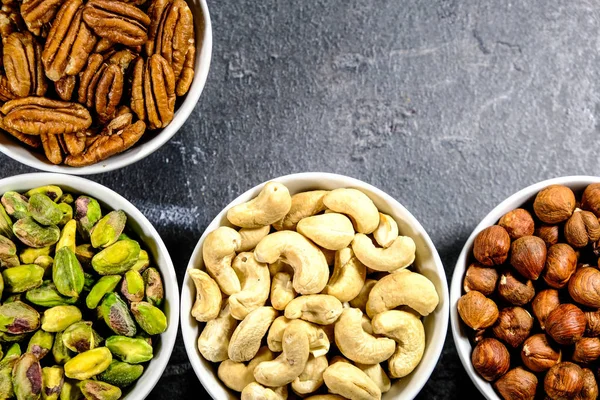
x: 348, y: 276
x: 280, y: 266
x: 255, y: 391
x: 377, y: 375
x: 400, y: 254
x: 332, y: 231
x: 404, y: 288
x: 312, y: 377
x: 360, y: 301
x: 365, y: 323
x: 214, y: 339
x: 350, y: 382
x: 290, y: 363
x: 256, y: 283
x: 208, y: 296
x: 304, y: 205
x: 311, y: 271
x: 356, y: 344
x: 236, y: 375
x: 272, y: 204
x: 321, y: 309
x: 355, y: 204
x: 218, y: 252
x: 251, y: 237
x: 407, y: 330
x: 246, y: 338
x: 282, y: 291
x: 318, y: 341
x: 387, y: 231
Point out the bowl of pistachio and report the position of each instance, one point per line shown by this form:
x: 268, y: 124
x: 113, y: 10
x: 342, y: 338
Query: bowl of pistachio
x: 89, y: 297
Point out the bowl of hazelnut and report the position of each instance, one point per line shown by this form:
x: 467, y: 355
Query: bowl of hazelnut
x: 525, y: 295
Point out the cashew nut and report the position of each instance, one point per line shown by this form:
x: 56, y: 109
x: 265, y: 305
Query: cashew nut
x: 387, y: 230
x: 312, y: 377
x: 358, y: 345
x: 251, y: 237
x: 318, y: 341
x: 311, y: 271
x: 304, y: 205
x: 332, y: 231
x: 280, y: 266
x: 321, y: 309
x: 256, y: 282
x: 272, y: 204
x: 350, y: 382
x: 208, y: 296
x: 246, y: 338
x: 407, y: 330
x: 377, y: 375
x: 348, y: 276
x: 360, y: 301
x: 365, y: 323
x: 290, y: 363
x: 355, y: 204
x: 214, y: 339
x: 236, y: 375
x: 400, y: 254
x: 218, y: 252
x: 282, y: 291
x: 404, y: 288
x: 255, y: 391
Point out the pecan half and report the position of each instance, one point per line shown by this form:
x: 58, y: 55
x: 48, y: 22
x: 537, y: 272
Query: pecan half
x: 74, y: 143
x: 65, y: 86
x: 103, y: 45
x: 39, y: 115
x: 153, y: 91
x: 52, y: 148
x: 30, y: 140
x: 187, y: 75
x: 23, y: 65
x: 101, y: 87
x: 5, y: 93
x: 36, y: 13
x: 117, y: 21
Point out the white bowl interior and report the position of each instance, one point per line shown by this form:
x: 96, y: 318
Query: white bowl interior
x: 459, y: 330
x: 36, y: 159
x: 151, y: 242
x: 427, y: 261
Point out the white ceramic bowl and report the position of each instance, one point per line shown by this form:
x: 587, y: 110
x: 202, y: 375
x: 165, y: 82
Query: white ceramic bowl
x: 152, y: 242
x: 459, y: 329
x: 36, y: 158
x: 428, y: 262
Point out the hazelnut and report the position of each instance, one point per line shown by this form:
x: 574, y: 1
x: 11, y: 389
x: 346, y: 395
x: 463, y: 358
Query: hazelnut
x: 561, y: 263
x: 590, y: 386
x: 592, y: 327
x: 563, y: 381
x: 490, y: 359
x: 481, y: 279
x: 586, y: 350
x: 513, y: 326
x: 566, y: 324
x: 554, y: 204
x: 491, y: 246
x: 543, y: 304
x: 476, y: 310
x: 538, y: 354
x: 517, y: 384
x: 548, y: 233
x: 528, y: 256
x: 581, y: 228
x: 584, y: 287
x: 514, y: 291
x: 517, y: 223
x: 590, y: 200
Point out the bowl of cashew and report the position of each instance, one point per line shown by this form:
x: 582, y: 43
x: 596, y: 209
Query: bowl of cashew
x: 316, y: 285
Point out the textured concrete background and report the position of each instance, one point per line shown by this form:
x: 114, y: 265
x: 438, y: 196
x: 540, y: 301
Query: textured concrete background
x: 450, y: 106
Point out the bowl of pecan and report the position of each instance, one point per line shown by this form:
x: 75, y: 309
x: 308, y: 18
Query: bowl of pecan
x: 525, y: 295
x: 92, y: 86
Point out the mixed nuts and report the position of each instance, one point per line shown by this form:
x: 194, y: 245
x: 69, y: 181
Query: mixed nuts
x: 532, y: 298
x: 81, y: 303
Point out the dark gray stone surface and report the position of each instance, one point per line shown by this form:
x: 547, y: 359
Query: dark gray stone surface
x: 450, y: 106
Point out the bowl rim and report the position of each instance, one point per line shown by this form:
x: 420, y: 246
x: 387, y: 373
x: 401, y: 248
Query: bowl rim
x: 344, y: 181
x: 517, y: 199
x: 102, y: 193
x: 182, y: 114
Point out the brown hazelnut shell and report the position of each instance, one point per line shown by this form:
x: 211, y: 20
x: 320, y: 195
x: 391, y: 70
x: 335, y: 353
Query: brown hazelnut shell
x: 540, y: 354
x: 586, y: 350
x: 481, y: 279
x: 517, y: 223
x: 528, y: 256
x: 589, y: 391
x: 584, y: 287
x: 491, y: 246
x: 548, y: 233
x: 561, y: 263
x: 517, y: 384
x: 582, y: 228
x: 513, y: 290
x: 563, y: 381
x: 566, y: 324
x: 590, y: 200
x: 554, y: 204
x: 477, y: 311
x: 543, y: 304
x: 513, y: 326
x: 490, y: 359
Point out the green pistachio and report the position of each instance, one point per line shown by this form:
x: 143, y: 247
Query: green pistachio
x: 108, y: 229
x: 6, y: 367
x: 13, y: 351
x: 132, y: 287
x: 11, y: 338
x: 52, y: 191
x: 84, y: 253
x: 52, y: 382
x: 87, y: 364
x: 67, y: 273
x: 142, y: 263
x: 59, y: 351
x: 124, y: 236
x: 116, y: 315
x: 155, y: 291
x: 13, y: 297
x: 96, y: 390
x: 46, y: 263
x: 5, y: 223
x: 35, y: 235
x: 80, y: 337
x: 117, y: 258
x: 129, y: 350
x: 67, y: 236
x: 104, y: 285
x: 48, y: 296
x: 66, y: 198
x: 87, y: 213
x: 121, y: 374
x: 44, y: 210
x: 29, y: 254
x: 8, y: 253
x: 27, y: 377
x: 59, y: 318
x: 40, y: 344
x: 67, y: 213
x: 17, y: 318
x: 70, y: 391
x: 15, y: 204
x: 151, y: 319
x: 143, y: 335
x: 22, y: 278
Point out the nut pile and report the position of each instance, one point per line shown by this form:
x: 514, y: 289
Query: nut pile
x: 71, y: 278
x: 85, y: 79
x: 276, y: 318
x: 533, y: 298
